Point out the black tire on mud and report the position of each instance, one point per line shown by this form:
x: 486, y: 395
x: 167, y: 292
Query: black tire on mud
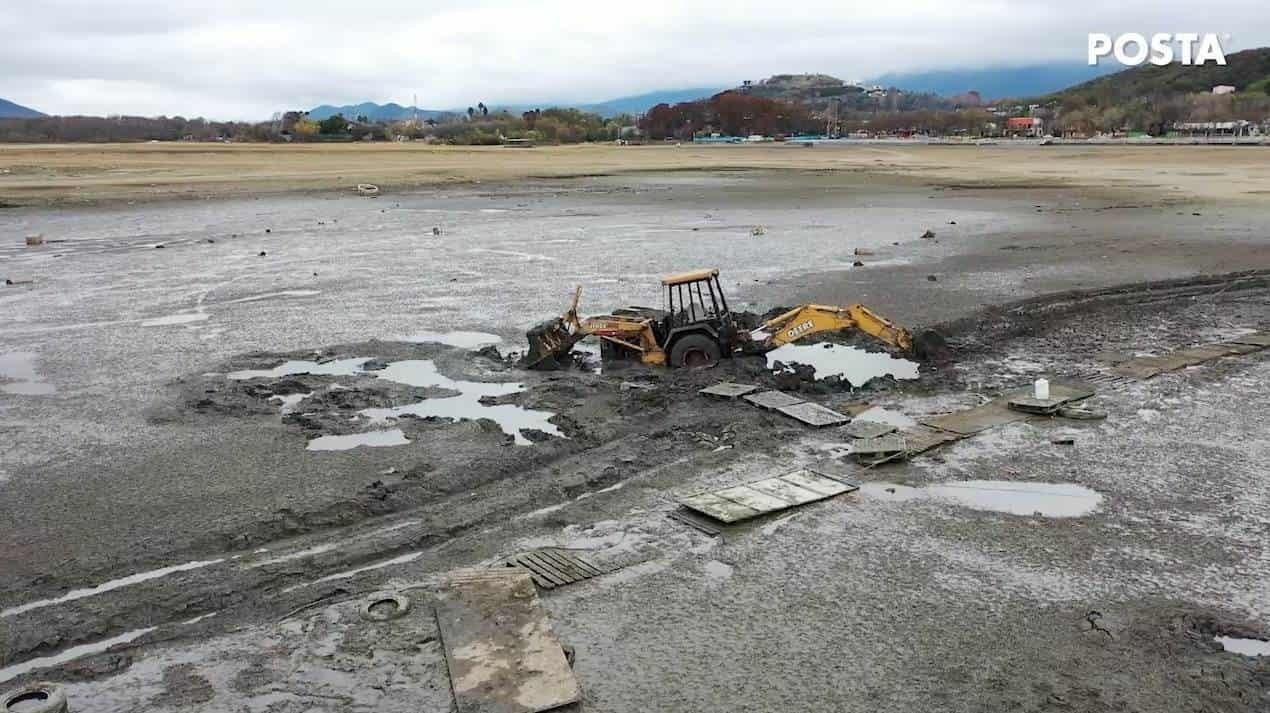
x: 694, y: 351
x: 37, y: 698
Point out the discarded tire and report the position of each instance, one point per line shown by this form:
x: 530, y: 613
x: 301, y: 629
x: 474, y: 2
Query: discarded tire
x: 694, y: 351
x: 35, y: 698
x: 385, y: 606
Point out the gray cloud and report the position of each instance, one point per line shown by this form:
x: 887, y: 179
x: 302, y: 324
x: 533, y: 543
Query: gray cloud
x: 246, y: 59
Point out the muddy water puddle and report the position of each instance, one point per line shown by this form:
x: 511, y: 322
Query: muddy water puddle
x: 1244, y: 647
x: 71, y: 654
x: 138, y: 578
x: 423, y: 373
x: 851, y: 363
x: 460, y: 339
x: 1004, y: 496
x: 889, y: 417
x: 18, y: 375
x: 370, y: 439
x: 467, y: 405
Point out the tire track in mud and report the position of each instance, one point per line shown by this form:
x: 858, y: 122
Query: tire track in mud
x: 247, y: 586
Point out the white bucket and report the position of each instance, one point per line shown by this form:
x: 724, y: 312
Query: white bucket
x: 1041, y: 389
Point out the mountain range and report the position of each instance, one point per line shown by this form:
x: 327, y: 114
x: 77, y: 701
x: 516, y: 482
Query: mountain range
x: 9, y: 110
x: 997, y: 82
x: 991, y: 83
x: 633, y: 104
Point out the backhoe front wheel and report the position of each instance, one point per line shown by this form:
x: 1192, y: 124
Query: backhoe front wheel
x: 694, y: 351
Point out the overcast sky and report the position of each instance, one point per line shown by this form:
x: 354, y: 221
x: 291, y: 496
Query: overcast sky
x: 245, y: 59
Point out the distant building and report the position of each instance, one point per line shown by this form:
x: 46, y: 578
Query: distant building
x: 1024, y: 126
x: 1223, y: 89
x: 1218, y: 128
x: 969, y: 99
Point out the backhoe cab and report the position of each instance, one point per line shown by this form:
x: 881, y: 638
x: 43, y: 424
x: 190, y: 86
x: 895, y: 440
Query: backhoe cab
x: 697, y: 329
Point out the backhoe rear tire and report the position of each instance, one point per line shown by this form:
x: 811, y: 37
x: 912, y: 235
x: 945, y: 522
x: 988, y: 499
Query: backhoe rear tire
x: 695, y: 351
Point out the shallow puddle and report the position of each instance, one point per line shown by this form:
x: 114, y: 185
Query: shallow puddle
x: 336, y: 367
x: 1014, y: 498
x: 510, y: 418
x: 878, y: 414
x: 851, y: 363
x: 272, y: 295
x: 76, y: 594
x: 75, y: 652
x: 175, y: 319
x: 1244, y: 647
x: 421, y: 373
x: 460, y: 339
x: 373, y: 439
x: 18, y: 375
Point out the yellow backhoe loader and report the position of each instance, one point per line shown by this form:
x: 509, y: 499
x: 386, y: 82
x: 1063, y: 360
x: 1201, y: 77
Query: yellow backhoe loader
x: 698, y: 329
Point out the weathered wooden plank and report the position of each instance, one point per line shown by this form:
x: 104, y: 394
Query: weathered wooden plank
x: 785, y: 490
x: 813, y: 414
x: 728, y: 390
x: 502, y: 653
x: 772, y: 400
x: 719, y: 508
x: 751, y: 498
x: 827, y: 487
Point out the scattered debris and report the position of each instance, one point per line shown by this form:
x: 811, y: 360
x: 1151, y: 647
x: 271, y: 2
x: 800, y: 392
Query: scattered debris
x: 928, y: 235
x: 1080, y: 413
x: 33, y: 240
x: 1063, y: 440
x: 262, y: 253
x: 997, y: 412
x: 436, y: 230
x: 863, y: 252
x: 159, y: 246
x: 932, y: 278
x: 759, y: 230
x: 368, y: 189
x: 728, y: 390
x: 1149, y: 366
x: 499, y: 645
x: 553, y: 567
x: 637, y: 386
x: 743, y: 502
x: 858, y: 263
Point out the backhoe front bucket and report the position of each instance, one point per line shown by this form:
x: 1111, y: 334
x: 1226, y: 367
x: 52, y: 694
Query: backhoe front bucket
x: 549, y: 343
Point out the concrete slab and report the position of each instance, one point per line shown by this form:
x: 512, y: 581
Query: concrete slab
x: 920, y: 439
x: 728, y: 390
x: 502, y: 653
x: 890, y: 444
x: 813, y: 414
x: 772, y: 400
x: 868, y: 429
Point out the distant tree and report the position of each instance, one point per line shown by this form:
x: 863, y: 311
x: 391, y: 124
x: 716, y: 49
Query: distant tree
x: 471, y: 112
x: 334, y: 124
x: 363, y: 119
x: 484, y: 109
x: 305, y: 128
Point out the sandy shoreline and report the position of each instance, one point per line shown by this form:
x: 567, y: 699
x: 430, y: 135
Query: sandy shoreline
x: 58, y: 175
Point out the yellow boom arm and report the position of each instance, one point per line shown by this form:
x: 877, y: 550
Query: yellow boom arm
x: 806, y: 320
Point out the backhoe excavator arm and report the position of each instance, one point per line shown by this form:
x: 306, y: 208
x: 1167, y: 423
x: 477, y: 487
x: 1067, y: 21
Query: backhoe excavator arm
x: 807, y: 320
